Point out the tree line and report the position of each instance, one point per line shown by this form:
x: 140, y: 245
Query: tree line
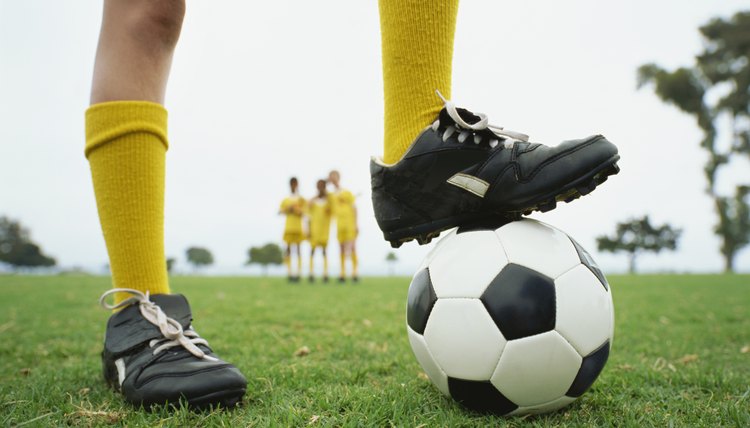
x: 264, y: 256
x: 18, y: 250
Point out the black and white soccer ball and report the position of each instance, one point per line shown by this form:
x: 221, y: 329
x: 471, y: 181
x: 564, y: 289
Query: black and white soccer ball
x: 512, y: 320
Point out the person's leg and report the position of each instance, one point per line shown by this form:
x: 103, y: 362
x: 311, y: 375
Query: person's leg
x: 342, y: 258
x: 311, y: 277
x: 325, y: 263
x: 355, y: 261
x: 126, y: 136
x: 417, y: 44
x: 152, y: 354
x: 288, y: 261
x: 458, y: 173
x: 136, y: 44
x: 299, y: 259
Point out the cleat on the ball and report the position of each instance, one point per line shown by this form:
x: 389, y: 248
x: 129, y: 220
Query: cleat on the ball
x: 461, y: 169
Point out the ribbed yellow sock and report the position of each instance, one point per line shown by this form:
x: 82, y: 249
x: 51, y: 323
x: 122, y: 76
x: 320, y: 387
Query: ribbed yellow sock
x: 299, y: 264
x: 312, y: 265
x: 325, y: 265
x: 126, y: 144
x: 417, y: 43
x: 355, y: 264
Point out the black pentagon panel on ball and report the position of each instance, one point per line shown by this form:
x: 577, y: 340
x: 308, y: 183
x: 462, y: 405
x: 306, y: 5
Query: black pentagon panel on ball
x: 481, y: 396
x: 420, y: 300
x: 589, y: 262
x: 591, y: 366
x: 521, y: 301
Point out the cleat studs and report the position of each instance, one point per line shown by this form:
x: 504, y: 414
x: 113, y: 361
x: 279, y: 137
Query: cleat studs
x: 587, y: 188
x: 396, y: 244
x: 547, y: 206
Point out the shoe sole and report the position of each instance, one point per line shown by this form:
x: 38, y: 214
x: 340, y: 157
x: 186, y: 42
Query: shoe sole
x: 426, y: 232
x: 227, y: 399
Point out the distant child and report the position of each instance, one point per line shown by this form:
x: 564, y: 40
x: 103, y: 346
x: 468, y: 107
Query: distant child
x: 293, y: 207
x: 319, y: 226
x: 345, y: 212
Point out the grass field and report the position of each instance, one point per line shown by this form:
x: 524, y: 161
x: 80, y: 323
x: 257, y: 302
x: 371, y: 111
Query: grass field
x: 681, y: 356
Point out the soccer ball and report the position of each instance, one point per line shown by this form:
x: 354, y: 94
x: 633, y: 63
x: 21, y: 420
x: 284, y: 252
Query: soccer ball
x: 510, y: 320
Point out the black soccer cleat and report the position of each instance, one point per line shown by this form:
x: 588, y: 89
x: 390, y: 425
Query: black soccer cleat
x: 461, y: 170
x: 153, y: 356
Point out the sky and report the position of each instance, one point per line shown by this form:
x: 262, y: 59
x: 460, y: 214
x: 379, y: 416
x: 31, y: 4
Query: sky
x: 261, y: 91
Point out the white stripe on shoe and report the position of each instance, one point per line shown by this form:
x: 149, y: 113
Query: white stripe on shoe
x: 470, y: 183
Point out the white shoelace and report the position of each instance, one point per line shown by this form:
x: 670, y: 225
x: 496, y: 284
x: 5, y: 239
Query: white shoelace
x: 172, y: 331
x: 465, y: 129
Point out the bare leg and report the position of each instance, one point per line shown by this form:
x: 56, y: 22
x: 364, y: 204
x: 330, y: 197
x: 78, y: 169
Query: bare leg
x: 136, y: 45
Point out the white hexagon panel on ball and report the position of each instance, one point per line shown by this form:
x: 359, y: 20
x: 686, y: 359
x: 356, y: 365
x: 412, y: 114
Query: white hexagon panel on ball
x: 435, y: 249
x: 584, y: 310
x: 544, y: 408
x: 428, y: 363
x: 538, y: 246
x: 464, y: 263
x: 463, y: 339
x: 536, y: 370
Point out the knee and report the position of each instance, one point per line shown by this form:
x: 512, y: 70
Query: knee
x: 156, y: 21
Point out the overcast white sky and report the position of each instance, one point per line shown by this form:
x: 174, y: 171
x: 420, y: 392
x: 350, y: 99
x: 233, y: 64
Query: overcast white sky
x: 261, y: 91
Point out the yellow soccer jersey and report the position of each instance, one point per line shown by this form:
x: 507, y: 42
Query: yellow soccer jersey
x: 344, y: 210
x: 294, y: 208
x: 319, y: 210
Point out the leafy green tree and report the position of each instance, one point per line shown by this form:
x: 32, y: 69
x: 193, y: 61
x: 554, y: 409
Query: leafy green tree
x: 391, y: 258
x: 17, y: 249
x: 715, y: 90
x: 269, y: 254
x: 636, y: 236
x: 199, y: 257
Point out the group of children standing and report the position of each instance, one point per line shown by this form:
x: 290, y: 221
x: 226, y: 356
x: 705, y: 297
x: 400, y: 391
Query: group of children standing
x: 319, y: 211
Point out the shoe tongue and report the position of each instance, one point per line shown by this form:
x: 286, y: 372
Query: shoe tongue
x: 128, y: 328
x: 175, y: 306
x: 466, y: 115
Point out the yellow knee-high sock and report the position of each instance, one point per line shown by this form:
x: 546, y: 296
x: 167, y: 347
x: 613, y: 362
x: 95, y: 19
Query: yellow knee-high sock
x: 355, y: 265
x: 312, y: 265
x: 288, y: 264
x: 126, y: 144
x: 325, y: 265
x: 417, y: 43
x: 299, y: 264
